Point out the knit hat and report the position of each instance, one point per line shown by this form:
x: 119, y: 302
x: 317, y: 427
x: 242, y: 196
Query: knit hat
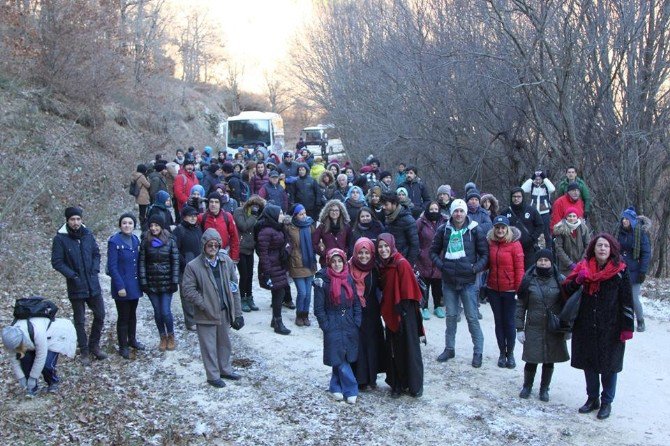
x: 188, y: 210
x: 141, y: 168
x: 213, y: 168
x: 544, y: 253
x: 227, y: 167
x: 273, y: 174
x: 221, y: 186
x: 287, y: 155
x: 444, y: 189
x: 501, y: 220
x: 156, y: 218
x: 458, y: 204
x: 630, y: 215
x: 159, y: 167
x: 469, y: 186
x: 401, y: 190
x: 127, y: 215
x: 214, y: 196
x: 12, y: 337
x: 570, y: 210
x: 197, y: 188
x: 72, y: 211
x: 384, y: 174
x: 573, y: 186
x: 298, y: 208
x: 189, y: 160
x: 162, y: 197
x: 472, y: 193
x: 208, y: 150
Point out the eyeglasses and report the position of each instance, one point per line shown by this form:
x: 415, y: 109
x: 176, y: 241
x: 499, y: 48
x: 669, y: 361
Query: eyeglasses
x: 213, y: 245
x: 517, y: 196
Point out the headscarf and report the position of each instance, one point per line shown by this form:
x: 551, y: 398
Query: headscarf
x: 338, y: 281
x: 393, y: 258
x: 361, y: 196
x: 360, y: 271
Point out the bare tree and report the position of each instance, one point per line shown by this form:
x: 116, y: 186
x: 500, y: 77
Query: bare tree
x: 279, y: 92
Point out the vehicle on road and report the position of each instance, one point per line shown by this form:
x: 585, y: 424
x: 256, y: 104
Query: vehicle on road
x: 251, y: 129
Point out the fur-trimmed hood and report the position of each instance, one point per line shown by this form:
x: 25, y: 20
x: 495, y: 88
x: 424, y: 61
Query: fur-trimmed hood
x: 323, y: 215
x: 254, y: 200
x: 495, y: 204
x: 513, y: 235
x: 326, y: 173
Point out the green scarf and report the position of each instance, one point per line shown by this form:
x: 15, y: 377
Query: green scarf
x: 456, y: 248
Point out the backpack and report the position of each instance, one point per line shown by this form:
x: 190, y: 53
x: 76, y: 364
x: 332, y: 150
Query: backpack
x: 245, y: 193
x: 28, y: 307
x: 133, y: 189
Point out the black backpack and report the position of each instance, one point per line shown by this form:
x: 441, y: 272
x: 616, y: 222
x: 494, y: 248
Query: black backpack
x: 35, y: 306
x: 133, y: 189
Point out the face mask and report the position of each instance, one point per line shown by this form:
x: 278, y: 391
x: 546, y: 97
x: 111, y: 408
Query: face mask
x: 433, y: 216
x: 543, y: 272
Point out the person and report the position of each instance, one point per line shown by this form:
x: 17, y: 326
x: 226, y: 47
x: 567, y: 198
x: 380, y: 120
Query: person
x: 401, y: 224
x: 444, y: 199
x: 540, y: 290
x: 527, y: 220
x: 401, y: 297
x: 386, y: 183
x: 326, y: 185
x: 223, y: 222
x: 490, y: 204
x: 142, y: 199
x: 366, y: 225
x: 197, y: 199
x: 571, y: 237
x: 317, y: 168
x: 564, y: 185
x: 159, y: 277
x: 210, y: 284
x: 540, y: 189
x: 245, y: 218
x: 404, y: 200
x: 333, y: 230
x: 258, y: 179
x: 305, y: 191
x: 234, y: 182
x: 460, y: 251
x: 157, y: 182
x: 374, y: 197
x: 287, y: 168
x: 633, y: 236
x: 161, y: 207
x: 400, y: 175
x: 273, y: 192
x: 210, y: 178
x: 123, y: 253
x: 338, y: 311
x: 76, y: 255
x: 416, y: 191
x: 300, y: 144
x: 187, y: 235
x: 571, y: 199
x: 273, y: 261
x: 37, y: 353
x: 342, y: 187
x: 426, y: 225
x: 354, y: 202
x: 371, y: 350
x: 179, y: 157
x: 506, y: 268
x: 183, y: 183
x: 604, y: 321
x: 302, y: 261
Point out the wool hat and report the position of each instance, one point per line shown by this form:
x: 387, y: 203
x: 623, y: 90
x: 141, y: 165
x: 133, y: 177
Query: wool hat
x: 162, y: 197
x: 287, y: 155
x: 188, y: 210
x: 72, y: 211
x: 197, y: 188
x: 630, y: 215
x: 570, y: 210
x: 189, y: 160
x: 127, y: 215
x: 12, y: 337
x: 141, y: 168
x: 273, y: 174
x: 458, y: 204
x: 501, y: 220
x: 156, y: 218
x: 384, y: 174
x: 444, y: 189
x: 401, y: 190
x: 473, y: 193
x: 573, y: 186
x: 228, y: 167
x: 221, y: 186
x: 298, y: 208
x: 469, y: 185
x: 544, y: 253
x: 214, y: 196
x: 208, y: 150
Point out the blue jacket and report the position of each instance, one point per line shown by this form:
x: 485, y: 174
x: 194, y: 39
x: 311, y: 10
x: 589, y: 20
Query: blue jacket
x: 122, y: 263
x: 339, y: 323
x: 461, y: 271
x: 483, y: 218
x: 79, y: 261
x: 627, y: 242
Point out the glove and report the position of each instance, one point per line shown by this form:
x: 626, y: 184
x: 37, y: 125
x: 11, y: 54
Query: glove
x: 238, y: 323
x: 641, y: 277
x: 23, y: 382
x: 521, y: 336
x: 31, y: 385
x: 625, y: 336
x: 173, y: 287
x: 122, y: 293
x: 572, y: 266
x: 581, y: 277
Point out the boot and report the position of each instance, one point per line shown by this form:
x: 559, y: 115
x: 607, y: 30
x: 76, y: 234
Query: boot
x: 137, y: 345
x: 289, y: 304
x: 305, y: 319
x: 124, y: 352
x: 446, y: 355
x: 279, y: 327
x: 604, y: 411
x: 510, y: 363
x: 163, y: 345
x: 97, y: 353
x: 544, y: 383
x: 591, y: 404
x: 245, y: 305
x: 170, y: 342
x: 298, y: 319
x: 528, y: 378
x: 502, y: 359
x: 252, y: 305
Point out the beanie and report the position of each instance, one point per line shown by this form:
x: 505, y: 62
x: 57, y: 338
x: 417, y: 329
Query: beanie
x: 401, y: 190
x: 469, y: 186
x: 472, y: 193
x: 156, y: 218
x: 141, y: 168
x: 214, y: 196
x: 444, y: 189
x: 458, y: 204
x: 544, y: 254
x: 159, y: 167
x: 12, y: 337
x: 72, y: 211
x: 298, y: 208
x: 189, y: 160
x: 384, y: 174
x: 188, y: 210
x: 127, y: 215
x: 630, y: 215
x: 573, y: 186
x: 570, y: 210
x: 162, y: 197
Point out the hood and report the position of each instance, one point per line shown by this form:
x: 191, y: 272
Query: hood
x: 210, y: 234
x: 326, y: 173
x: 254, y: 200
x: 323, y: 215
x: 271, y: 212
x: 495, y: 205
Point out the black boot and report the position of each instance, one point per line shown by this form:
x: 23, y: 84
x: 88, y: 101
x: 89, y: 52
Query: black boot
x: 510, y: 363
x: 591, y: 404
x: 124, y: 351
x: 279, y: 327
x: 604, y: 411
x: 528, y: 378
x: 502, y: 359
x: 544, y: 383
x: 252, y: 304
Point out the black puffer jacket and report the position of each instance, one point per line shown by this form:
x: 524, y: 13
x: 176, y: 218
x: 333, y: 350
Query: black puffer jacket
x: 78, y: 259
x: 403, y: 228
x: 159, y: 267
x: 306, y: 192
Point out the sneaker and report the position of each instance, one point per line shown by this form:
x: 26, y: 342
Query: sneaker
x: 446, y: 355
x: 218, y: 383
x: 351, y: 399
x: 477, y: 360
x: 337, y: 396
x: 439, y: 312
x: 53, y: 388
x: 425, y: 314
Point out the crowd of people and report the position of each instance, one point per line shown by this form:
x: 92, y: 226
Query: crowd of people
x: 370, y: 246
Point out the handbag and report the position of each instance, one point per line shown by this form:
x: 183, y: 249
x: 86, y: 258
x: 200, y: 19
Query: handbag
x: 570, y: 310
x: 554, y: 324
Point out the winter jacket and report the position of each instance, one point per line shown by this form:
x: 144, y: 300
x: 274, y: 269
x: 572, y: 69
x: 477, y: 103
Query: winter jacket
x: 403, y: 228
x: 640, y: 265
x: 339, y: 323
x: 78, y: 259
x: 535, y: 295
x: 209, y: 182
x: 372, y: 232
x: 426, y: 230
x: 353, y: 208
x: 289, y: 170
x: 272, y: 255
x: 188, y: 238
x: 144, y: 186
x: 505, y: 264
x: 256, y: 182
x: 157, y: 183
x: 483, y: 218
x: 464, y: 270
x: 275, y: 194
x: 323, y: 241
x: 563, y: 203
x: 306, y: 192
x: 340, y: 193
x: 182, y: 187
x: 296, y: 269
x: 245, y: 222
x: 159, y: 267
x: 200, y: 287
x: 570, y: 249
x: 540, y: 196
x: 235, y: 187
x: 122, y: 267
x: 164, y: 212
x: 601, y: 319
x: 316, y: 170
x: 224, y: 224
x: 418, y: 195
x: 527, y: 220
x: 585, y: 194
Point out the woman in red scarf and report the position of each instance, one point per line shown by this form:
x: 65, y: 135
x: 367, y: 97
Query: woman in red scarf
x: 371, y: 353
x: 604, y: 322
x: 401, y: 301
x: 338, y: 310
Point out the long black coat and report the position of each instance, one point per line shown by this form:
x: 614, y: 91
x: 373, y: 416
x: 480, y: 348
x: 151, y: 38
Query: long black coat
x: 601, y: 319
x: 371, y: 350
x: 159, y: 267
x: 79, y: 261
x: 189, y: 243
x: 403, y: 228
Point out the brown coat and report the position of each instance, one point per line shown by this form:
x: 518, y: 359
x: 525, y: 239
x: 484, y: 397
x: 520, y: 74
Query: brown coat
x: 296, y: 268
x: 570, y: 249
x: 141, y: 182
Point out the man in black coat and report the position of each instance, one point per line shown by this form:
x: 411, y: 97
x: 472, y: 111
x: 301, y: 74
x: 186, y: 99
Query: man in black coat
x: 188, y: 236
x: 306, y: 192
x: 527, y: 220
x: 76, y: 255
x: 416, y: 191
x: 401, y: 224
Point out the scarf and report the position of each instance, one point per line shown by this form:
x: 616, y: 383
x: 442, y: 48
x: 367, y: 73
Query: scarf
x: 573, y: 226
x: 77, y: 235
x: 358, y: 270
x: 595, y: 274
x: 338, y: 282
x: 395, y: 256
x: 393, y: 215
x: 306, y: 247
x: 456, y: 247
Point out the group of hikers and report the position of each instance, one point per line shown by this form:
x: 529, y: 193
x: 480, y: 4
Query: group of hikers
x: 371, y: 246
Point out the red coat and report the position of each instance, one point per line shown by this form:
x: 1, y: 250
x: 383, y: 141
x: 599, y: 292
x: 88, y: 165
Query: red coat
x: 228, y: 231
x: 182, y: 187
x: 560, y: 205
x: 506, y: 268
x: 398, y: 282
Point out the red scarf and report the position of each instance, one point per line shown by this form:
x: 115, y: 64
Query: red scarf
x: 594, y: 274
x: 338, y: 282
x: 360, y: 271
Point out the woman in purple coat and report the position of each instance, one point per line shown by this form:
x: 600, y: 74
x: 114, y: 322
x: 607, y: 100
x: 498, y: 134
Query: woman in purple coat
x: 426, y: 225
x: 333, y: 230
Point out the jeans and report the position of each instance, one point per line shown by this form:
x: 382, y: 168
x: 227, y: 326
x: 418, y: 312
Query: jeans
x: 503, y: 305
x: 343, y: 380
x: 637, y: 305
x: 593, y: 385
x: 49, y: 370
x: 126, y: 321
x: 162, y: 312
x: 304, y: 287
x: 97, y: 306
x: 246, y: 269
x: 467, y: 294
x: 435, y: 288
